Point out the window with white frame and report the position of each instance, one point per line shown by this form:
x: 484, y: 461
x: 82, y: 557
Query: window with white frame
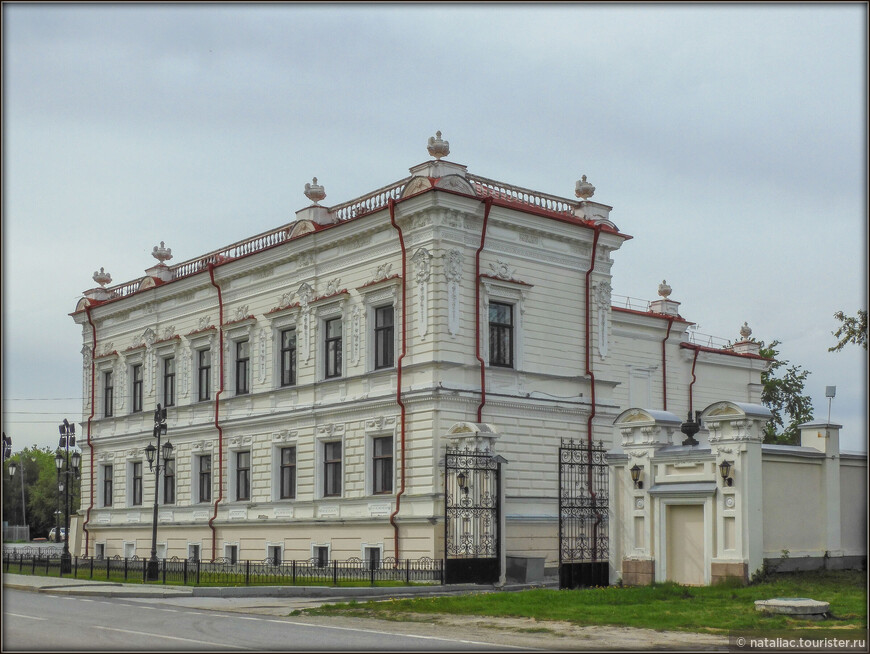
x: 135, y: 485
x: 275, y: 554
x: 287, y: 473
x: 203, y: 478
x: 384, y: 337
x: 331, y: 468
x: 242, y: 475
x: 243, y: 367
x: 203, y: 374
x: 382, y: 464
x: 169, y: 381
x: 287, y: 361
x: 169, y: 481
x: 332, y: 346
x: 129, y: 550
x: 100, y: 551
x: 373, y: 555
x: 106, y: 474
x: 137, y: 387
x: 501, y: 334
x: 193, y: 550
x: 320, y: 554
x: 108, y: 393
x: 231, y: 552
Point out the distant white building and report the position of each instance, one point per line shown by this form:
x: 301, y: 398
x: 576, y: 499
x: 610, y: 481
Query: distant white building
x: 314, y: 375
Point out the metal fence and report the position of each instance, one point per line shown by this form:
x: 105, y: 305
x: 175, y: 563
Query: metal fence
x: 16, y: 532
x: 222, y: 572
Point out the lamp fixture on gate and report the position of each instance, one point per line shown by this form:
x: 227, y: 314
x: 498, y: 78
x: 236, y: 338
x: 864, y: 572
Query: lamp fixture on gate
x: 725, y: 471
x: 462, y: 480
x: 635, y: 472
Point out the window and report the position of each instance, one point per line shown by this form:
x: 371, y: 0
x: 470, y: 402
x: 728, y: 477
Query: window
x: 108, y: 394
x: 205, y: 478
x: 232, y: 553
x: 193, y: 552
x: 384, y: 337
x: 321, y: 553
x: 129, y: 550
x: 137, y: 388
x: 501, y: 335
x: 169, y: 481
x: 169, y: 381
x: 382, y: 464
x: 288, y: 473
x: 137, y: 483
x: 243, y: 357
x: 332, y: 469
x: 107, y: 486
x: 100, y: 551
x: 243, y: 475
x: 373, y: 557
x: 274, y: 554
x: 288, y: 357
x: 333, y: 347
x: 203, y: 364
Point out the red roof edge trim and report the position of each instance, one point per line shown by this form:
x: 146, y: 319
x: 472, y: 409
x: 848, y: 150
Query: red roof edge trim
x: 732, y: 353
x: 510, y: 281
x: 295, y: 305
x: 240, y: 320
x: 378, y: 281
x: 210, y: 328
x: 653, y: 314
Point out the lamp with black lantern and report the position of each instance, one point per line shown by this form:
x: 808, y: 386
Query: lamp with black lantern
x: 635, y: 472
x: 65, y: 479
x: 462, y: 480
x: 150, y: 452
x: 725, y: 472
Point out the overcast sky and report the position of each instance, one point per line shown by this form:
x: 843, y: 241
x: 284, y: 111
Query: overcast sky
x: 731, y: 141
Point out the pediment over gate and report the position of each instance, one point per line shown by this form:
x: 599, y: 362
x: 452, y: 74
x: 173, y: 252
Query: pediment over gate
x: 735, y: 421
x: 473, y: 435
x: 646, y: 427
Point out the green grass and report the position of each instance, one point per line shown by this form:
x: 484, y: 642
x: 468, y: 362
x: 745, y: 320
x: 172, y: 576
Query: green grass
x: 664, y: 607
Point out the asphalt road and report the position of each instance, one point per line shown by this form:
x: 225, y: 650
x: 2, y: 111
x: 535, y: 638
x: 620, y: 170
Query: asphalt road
x: 40, y: 621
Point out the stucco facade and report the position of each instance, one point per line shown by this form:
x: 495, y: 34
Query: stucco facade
x: 446, y: 258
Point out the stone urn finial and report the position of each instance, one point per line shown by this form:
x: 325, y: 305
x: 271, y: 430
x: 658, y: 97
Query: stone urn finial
x: 745, y: 332
x: 584, y: 189
x: 664, y: 289
x: 314, y: 191
x: 102, y: 277
x: 437, y: 147
x: 162, y: 253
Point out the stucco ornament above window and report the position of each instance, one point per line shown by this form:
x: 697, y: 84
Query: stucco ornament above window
x: 584, y: 189
x: 437, y: 147
x: 314, y: 191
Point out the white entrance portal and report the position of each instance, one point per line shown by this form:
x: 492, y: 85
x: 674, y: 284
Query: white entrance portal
x: 685, y: 544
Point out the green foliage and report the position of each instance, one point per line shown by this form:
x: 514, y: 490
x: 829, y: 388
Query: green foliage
x: 783, y: 393
x: 37, y: 469
x: 852, y: 330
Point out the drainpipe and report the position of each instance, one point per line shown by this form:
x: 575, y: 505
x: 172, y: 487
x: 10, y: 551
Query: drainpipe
x: 694, y: 361
x: 217, y: 414
x: 665, y: 366
x: 487, y: 205
x: 391, y: 204
x: 591, y: 376
x: 90, y: 418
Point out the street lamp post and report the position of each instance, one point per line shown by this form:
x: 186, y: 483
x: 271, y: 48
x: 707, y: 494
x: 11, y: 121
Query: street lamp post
x: 150, y: 453
x: 64, y: 484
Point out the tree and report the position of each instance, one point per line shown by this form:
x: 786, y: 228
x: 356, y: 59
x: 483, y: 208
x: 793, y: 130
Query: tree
x: 783, y: 393
x: 852, y: 330
x: 40, y: 491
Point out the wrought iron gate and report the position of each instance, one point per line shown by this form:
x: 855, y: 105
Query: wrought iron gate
x: 583, y: 519
x: 471, y: 516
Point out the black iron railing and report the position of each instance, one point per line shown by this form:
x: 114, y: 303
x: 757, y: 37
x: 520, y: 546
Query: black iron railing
x: 223, y: 572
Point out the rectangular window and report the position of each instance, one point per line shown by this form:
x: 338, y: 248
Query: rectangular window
x: 501, y: 335
x: 204, y: 374
x: 288, y: 357
x: 332, y: 469
x: 243, y: 357
x: 275, y: 554
x: 243, y: 475
x: 137, y: 388
x: 321, y: 553
x: 169, y: 381
x: 100, y: 551
x: 288, y: 473
x: 108, y: 394
x: 193, y: 552
x: 382, y: 464
x: 373, y: 557
x: 333, y: 347
x: 384, y: 337
x: 108, y: 489
x: 137, y: 483
x: 169, y: 481
x: 232, y: 553
x: 205, y: 478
